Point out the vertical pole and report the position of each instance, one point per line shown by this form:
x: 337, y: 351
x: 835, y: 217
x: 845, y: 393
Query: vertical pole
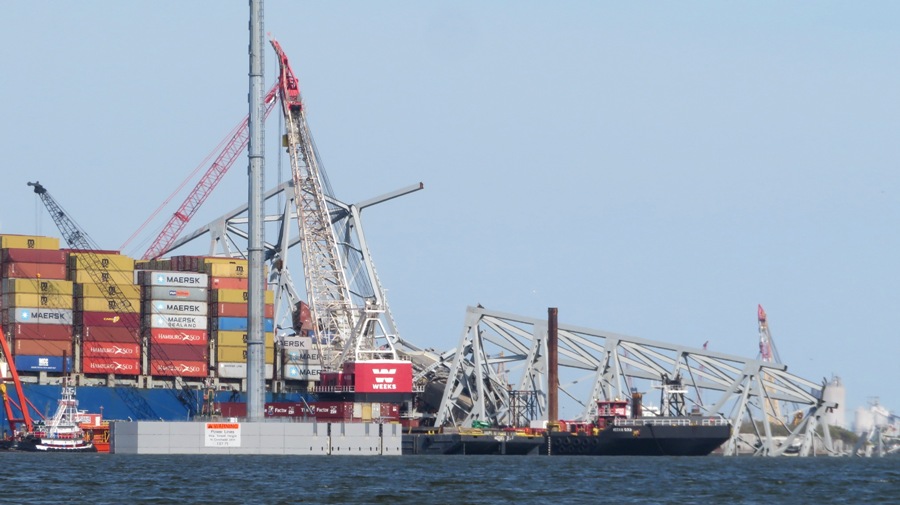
x: 256, y: 380
x: 553, y: 369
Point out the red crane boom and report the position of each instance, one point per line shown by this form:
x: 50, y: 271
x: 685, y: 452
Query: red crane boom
x: 230, y: 153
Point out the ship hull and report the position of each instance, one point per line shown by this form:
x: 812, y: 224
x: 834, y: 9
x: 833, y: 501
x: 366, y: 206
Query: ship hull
x: 614, y: 441
x: 36, y: 444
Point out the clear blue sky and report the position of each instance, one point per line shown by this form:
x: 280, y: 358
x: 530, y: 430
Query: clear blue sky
x: 654, y: 169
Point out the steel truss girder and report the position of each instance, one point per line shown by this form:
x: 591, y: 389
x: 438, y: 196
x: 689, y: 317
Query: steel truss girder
x: 718, y: 384
x: 228, y: 237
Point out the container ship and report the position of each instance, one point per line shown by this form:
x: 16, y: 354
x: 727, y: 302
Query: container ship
x: 168, y: 344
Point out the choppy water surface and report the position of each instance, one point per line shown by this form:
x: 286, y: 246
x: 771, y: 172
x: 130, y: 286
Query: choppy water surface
x: 114, y: 479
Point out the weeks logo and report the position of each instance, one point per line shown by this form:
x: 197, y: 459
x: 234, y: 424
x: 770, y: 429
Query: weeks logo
x: 384, y: 378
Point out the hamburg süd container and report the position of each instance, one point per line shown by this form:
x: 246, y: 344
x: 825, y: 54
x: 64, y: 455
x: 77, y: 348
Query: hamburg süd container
x: 111, y: 365
x: 178, y: 337
x: 179, y: 368
x: 33, y: 271
x: 176, y: 352
x: 111, y: 349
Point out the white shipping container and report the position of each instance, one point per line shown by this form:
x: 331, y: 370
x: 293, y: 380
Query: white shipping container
x: 302, y: 372
x: 183, y: 279
x: 39, y: 315
x: 238, y: 370
x: 177, y: 322
x: 177, y: 307
x: 175, y: 293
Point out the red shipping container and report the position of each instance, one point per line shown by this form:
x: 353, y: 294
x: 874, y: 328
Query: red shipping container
x: 229, y: 283
x: 108, y: 334
x: 333, y: 410
x: 177, y: 352
x: 233, y: 409
x: 110, y: 319
x: 383, y: 376
x: 178, y: 337
x: 33, y: 270
x: 179, y: 368
x: 130, y: 350
x: 107, y: 365
x: 43, y: 347
x: 33, y: 256
x: 239, y: 310
x: 40, y: 331
x: 285, y: 409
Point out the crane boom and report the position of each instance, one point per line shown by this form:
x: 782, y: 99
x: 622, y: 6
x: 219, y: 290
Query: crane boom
x: 326, y: 283
x: 230, y: 153
x: 77, y: 239
x: 14, y: 375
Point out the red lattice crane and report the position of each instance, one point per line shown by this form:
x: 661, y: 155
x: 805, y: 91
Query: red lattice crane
x: 234, y: 146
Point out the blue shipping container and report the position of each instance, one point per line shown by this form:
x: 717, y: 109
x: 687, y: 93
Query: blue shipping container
x: 240, y: 324
x: 27, y: 363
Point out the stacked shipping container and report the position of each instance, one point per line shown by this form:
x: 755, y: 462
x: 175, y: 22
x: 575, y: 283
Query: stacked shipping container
x: 107, y: 304
x: 229, y: 316
x: 175, y: 321
x: 36, y: 302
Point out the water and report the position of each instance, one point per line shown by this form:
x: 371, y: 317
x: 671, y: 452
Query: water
x: 99, y: 479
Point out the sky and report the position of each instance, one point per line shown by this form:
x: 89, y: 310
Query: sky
x: 654, y: 169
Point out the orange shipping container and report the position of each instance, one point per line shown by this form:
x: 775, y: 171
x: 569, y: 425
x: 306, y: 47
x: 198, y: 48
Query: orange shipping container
x: 33, y: 270
x: 239, y: 310
x: 43, y: 347
x: 229, y: 283
x: 38, y: 331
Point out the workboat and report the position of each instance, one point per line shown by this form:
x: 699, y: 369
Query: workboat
x: 62, y: 432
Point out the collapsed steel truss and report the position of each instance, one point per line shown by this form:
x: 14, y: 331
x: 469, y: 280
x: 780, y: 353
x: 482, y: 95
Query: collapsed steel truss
x: 228, y: 233
x: 502, y: 358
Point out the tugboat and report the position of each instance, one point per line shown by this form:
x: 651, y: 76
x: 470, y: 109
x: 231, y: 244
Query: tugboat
x: 61, y: 433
